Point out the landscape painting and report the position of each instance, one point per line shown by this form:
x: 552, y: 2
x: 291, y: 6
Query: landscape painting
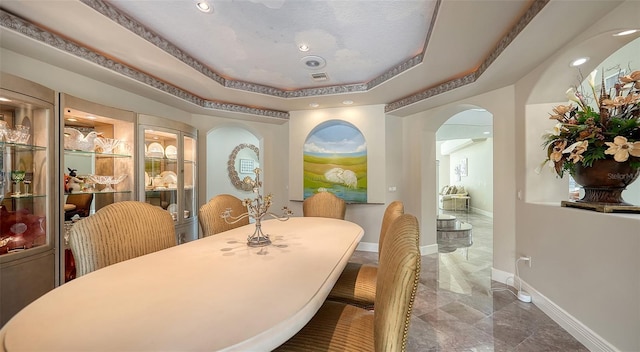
x: 335, y: 160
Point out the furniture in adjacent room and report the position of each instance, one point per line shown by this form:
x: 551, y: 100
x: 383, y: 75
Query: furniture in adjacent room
x: 454, y: 198
x: 210, y: 214
x: 357, y: 283
x: 324, y: 204
x: 344, y: 327
x: 118, y: 232
x: 453, y: 234
x: 212, y: 294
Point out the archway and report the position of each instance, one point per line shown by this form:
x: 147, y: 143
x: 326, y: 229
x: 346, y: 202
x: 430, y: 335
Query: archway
x: 222, y: 142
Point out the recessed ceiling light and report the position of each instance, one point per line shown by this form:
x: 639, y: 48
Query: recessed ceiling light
x: 303, y: 47
x: 313, y: 62
x: 578, y: 62
x: 91, y: 117
x: 347, y: 102
x: 4, y: 99
x: 72, y: 119
x: 627, y: 32
x: 314, y: 105
x: 204, y: 6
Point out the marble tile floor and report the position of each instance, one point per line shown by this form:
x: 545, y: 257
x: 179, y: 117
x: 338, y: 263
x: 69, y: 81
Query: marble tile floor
x: 458, y: 308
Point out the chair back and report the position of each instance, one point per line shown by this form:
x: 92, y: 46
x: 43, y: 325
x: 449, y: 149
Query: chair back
x: 118, y: 232
x: 398, y: 276
x: 82, y: 201
x: 393, y: 211
x: 210, y: 214
x: 325, y: 205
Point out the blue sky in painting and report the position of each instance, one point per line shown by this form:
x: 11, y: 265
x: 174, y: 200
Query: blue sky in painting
x: 335, y: 137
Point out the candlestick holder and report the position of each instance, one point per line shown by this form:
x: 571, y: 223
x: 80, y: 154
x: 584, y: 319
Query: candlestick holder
x: 257, y: 209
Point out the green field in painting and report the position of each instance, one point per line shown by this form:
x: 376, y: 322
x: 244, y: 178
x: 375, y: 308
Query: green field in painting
x: 315, y: 167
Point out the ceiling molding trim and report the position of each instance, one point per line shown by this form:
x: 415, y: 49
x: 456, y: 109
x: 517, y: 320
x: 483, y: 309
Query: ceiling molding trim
x: 502, y: 44
x: 17, y: 24
x: 127, y: 22
x: 411, y: 62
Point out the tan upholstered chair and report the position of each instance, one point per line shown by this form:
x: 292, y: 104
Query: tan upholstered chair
x: 344, y: 327
x: 210, y: 213
x: 82, y: 202
x: 357, y: 283
x: 325, y: 205
x: 118, y: 232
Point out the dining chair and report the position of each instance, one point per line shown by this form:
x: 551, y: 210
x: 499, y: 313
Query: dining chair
x: 82, y: 202
x: 118, y: 232
x: 324, y: 204
x: 343, y: 327
x: 357, y: 283
x: 210, y: 214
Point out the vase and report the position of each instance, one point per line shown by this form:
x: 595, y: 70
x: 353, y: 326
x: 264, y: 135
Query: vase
x: 605, y: 180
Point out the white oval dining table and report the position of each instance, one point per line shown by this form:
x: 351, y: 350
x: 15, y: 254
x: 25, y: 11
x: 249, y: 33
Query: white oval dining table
x: 213, y: 294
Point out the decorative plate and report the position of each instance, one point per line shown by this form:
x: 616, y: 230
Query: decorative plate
x: 155, y: 150
x: 171, y: 152
x: 169, y: 178
x: 172, y: 208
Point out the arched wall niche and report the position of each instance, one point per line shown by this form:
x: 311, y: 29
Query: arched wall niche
x: 370, y: 120
x: 221, y: 143
x: 606, y: 52
x: 335, y: 160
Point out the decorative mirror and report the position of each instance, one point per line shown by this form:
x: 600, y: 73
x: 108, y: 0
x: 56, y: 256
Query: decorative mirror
x: 243, y: 160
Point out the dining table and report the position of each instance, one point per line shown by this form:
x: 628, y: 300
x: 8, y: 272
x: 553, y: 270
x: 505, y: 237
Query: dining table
x: 214, y: 294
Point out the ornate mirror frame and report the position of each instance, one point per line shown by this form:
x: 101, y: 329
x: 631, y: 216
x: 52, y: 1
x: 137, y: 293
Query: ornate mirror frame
x: 231, y: 166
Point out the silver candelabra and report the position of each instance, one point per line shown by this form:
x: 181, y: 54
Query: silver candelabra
x: 257, y: 209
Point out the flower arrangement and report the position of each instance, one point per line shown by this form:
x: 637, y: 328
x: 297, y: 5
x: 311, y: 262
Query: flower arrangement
x: 584, y: 133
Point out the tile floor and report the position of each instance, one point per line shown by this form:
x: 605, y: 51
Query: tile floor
x: 458, y: 307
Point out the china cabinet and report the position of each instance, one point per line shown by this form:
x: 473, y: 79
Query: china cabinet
x: 98, y: 161
x: 168, y: 174
x: 27, y: 193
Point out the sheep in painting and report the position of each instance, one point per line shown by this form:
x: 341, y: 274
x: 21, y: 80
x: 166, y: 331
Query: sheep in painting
x: 341, y: 176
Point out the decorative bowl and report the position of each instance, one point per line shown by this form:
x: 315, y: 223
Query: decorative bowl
x: 106, y: 145
x: 107, y: 180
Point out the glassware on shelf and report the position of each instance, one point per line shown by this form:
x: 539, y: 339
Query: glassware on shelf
x: 106, y: 145
x: 23, y: 134
x: 17, y: 176
x: 3, y: 130
x: 108, y: 181
x: 28, y: 178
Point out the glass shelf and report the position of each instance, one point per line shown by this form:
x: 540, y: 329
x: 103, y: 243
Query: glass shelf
x: 25, y: 196
x: 97, y: 155
x: 17, y: 147
x: 99, y: 192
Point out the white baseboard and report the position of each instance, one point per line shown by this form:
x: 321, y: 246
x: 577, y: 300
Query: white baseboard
x: 482, y: 212
x: 577, y: 329
x: 367, y: 247
x: 573, y: 326
x: 430, y: 249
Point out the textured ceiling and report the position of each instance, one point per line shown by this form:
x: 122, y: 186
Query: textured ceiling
x: 257, y: 41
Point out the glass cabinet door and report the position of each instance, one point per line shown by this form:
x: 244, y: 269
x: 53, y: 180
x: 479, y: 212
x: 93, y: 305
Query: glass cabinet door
x: 170, y: 171
x: 97, y: 167
x: 161, y: 170
x: 189, y: 167
x: 27, y: 193
x: 25, y: 177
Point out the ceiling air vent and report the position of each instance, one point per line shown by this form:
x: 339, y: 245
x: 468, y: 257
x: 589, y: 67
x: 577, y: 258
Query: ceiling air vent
x: 319, y: 76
